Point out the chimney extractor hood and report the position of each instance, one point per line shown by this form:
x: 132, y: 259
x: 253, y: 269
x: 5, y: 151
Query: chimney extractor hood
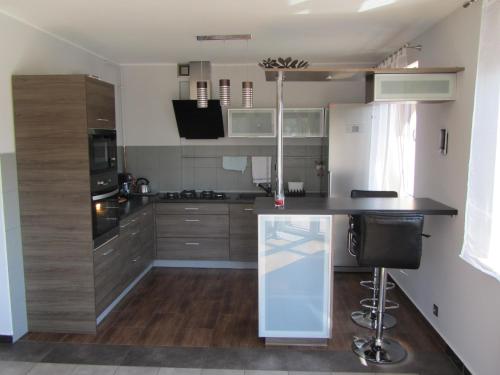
x: 198, y: 123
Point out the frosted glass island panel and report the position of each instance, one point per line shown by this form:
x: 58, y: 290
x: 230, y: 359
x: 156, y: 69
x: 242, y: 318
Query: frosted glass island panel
x: 295, y: 276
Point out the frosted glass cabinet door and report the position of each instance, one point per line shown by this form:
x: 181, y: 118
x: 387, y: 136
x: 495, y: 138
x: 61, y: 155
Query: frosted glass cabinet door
x: 255, y: 122
x: 295, y: 276
x: 304, y: 123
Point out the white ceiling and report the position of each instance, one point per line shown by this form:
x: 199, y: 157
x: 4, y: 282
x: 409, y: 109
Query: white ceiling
x: 160, y: 31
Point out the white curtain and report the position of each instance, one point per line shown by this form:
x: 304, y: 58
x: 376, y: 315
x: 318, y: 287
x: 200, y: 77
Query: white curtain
x: 392, y: 150
x: 481, y: 246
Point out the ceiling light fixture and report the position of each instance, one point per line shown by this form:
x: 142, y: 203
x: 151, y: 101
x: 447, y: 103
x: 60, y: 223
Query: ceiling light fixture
x: 225, y: 92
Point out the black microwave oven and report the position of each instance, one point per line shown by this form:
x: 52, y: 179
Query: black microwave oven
x: 102, y: 151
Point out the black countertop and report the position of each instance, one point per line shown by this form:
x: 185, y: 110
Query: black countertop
x: 134, y: 204
x: 344, y: 206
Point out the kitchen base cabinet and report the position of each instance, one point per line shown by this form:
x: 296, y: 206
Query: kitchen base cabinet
x: 243, y: 233
x: 120, y: 261
x: 193, y: 248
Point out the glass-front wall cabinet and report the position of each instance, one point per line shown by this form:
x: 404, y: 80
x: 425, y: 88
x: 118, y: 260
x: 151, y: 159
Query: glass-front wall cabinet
x: 250, y: 123
x: 295, y: 276
x: 304, y: 122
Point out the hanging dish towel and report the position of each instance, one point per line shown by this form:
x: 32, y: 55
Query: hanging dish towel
x: 261, y: 169
x: 234, y: 163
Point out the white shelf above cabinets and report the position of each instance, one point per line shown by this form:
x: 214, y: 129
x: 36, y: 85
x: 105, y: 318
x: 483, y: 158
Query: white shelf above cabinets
x: 261, y: 123
x: 411, y: 87
x: 251, y: 123
x: 304, y: 122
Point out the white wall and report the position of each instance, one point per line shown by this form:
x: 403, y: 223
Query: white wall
x: 148, y: 91
x: 468, y: 300
x: 27, y: 50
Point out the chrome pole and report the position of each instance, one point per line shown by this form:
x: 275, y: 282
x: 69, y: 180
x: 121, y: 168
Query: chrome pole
x: 279, y: 198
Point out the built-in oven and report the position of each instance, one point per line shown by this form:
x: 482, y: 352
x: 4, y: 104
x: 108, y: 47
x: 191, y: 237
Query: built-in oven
x: 105, y: 216
x: 102, y: 150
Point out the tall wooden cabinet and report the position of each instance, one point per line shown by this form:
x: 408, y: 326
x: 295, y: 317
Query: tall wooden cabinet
x: 52, y: 114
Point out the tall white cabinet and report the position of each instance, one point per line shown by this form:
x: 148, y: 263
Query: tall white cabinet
x: 295, y: 276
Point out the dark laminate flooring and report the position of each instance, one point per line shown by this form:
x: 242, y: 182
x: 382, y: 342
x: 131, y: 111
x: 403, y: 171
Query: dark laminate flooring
x: 208, y: 318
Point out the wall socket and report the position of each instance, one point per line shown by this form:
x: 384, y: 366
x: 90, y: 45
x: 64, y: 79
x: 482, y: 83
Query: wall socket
x: 435, y: 310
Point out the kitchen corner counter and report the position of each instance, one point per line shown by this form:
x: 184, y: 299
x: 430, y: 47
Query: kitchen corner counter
x: 345, y: 206
x: 134, y: 204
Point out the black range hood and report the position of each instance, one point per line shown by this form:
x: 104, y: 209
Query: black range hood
x: 198, y: 123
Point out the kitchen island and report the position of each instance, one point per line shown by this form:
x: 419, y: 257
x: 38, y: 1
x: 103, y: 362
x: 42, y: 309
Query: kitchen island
x: 295, y: 261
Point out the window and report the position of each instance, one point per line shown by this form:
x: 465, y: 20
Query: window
x: 392, y: 150
x: 481, y: 246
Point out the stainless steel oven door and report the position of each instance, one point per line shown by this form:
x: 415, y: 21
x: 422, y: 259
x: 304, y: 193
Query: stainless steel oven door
x: 105, y: 217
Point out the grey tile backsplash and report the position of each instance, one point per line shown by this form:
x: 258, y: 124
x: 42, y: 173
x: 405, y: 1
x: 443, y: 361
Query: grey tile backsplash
x: 174, y: 168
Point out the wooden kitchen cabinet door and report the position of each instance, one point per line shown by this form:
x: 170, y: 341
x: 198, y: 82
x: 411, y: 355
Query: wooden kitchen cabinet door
x: 100, y: 97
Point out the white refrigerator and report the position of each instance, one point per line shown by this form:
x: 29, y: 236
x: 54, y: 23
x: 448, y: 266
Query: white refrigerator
x: 348, y: 165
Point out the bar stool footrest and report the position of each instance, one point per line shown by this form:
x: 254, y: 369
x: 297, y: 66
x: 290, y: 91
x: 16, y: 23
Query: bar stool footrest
x: 364, y: 319
x: 368, y: 284
x: 371, y: 303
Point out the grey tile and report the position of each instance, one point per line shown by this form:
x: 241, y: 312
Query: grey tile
x: 15, y: 368
x: 9, y: 172
x: 314, y: 151
x: 265, y: 372
x: 204, y: 151
x: 295, y: 151
x: 312, y: 181
x: 243, y: 358
x: 188, y: 150
x: 206, y: 162
x: 228, y: 180
x: 294, y: 174
x: 293, y: 162
x: 52, y: 369
x: 309, y: 373
x: 179, y: 371
x: 228, y: 151
x: 25, y: 351
x: 205, y: 178
x: 187, y: 178
x: 222, y: 372
x: 87, y: 354
x: 94, y: 370
x: 165, y: 357
x: 134, y: 370
x: 170, y: 180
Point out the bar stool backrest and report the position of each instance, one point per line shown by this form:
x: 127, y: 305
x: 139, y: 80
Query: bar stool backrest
x: 391, y: 241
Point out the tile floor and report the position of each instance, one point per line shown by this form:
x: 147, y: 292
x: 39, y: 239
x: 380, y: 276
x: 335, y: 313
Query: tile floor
x: 31, y: 368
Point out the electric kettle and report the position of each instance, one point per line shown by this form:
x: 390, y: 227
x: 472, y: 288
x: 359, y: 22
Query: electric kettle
x: 142, y: 184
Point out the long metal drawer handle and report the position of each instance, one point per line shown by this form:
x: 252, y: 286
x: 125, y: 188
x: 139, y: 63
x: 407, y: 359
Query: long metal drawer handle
x: 191, y: 208
x: 191, y: 220
x: 108, y: 252
x: 135, y: 233
x: 248, y: 209
x: 126, y: 225
x: 191, y: 243
x: 136, y: 259
x: 103, y: 119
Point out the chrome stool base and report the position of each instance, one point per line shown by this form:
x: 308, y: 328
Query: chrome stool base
x: 389, y: 352
x: 364, y: 319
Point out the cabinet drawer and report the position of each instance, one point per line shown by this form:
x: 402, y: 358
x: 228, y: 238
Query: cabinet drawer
x: 243, y: 248
x: 243, y: 225
x: 192, y: 248
x: 242, y: 210
x: 192, y: 226
x: 100, y: 98
x: 191, y: 208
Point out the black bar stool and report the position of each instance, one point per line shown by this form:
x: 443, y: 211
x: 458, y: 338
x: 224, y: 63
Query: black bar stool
x: 367, y: 317
x: 387, y: 241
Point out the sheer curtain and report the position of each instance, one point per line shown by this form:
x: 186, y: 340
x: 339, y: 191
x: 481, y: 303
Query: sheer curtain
x: 392, y: 150
x: 481, y: 246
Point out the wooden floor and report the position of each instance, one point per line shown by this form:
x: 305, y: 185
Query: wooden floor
x: 218, y: 308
